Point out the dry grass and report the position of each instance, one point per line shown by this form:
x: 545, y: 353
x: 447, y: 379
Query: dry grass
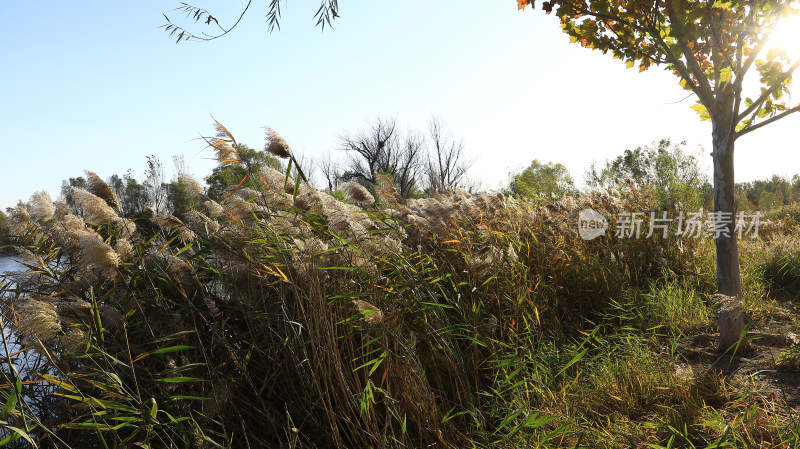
x: 283, y: 318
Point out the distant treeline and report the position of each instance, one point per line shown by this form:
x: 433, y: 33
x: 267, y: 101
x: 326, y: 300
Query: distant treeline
x: 437, y: 163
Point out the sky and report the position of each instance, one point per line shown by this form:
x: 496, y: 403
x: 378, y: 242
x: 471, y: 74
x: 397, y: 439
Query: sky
x: 99, y: 86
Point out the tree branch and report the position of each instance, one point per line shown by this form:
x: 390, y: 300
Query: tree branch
x: 766, y: 122
x: 761, y: 99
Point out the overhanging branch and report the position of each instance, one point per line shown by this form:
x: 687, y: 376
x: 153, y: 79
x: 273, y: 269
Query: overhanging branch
x: 766, y: 122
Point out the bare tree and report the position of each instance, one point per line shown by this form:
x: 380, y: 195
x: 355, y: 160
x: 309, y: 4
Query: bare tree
x: 447, y: 163
x: 384, y: 149
x: 330, y: 170
x: 154, y: 178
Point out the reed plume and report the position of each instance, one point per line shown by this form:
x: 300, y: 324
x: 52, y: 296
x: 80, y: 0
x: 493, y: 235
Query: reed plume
x: 124, y: 248
x: 41, y: 207
x: 275, y: 144
x: 95, y: 208
x: 99, y: 188
x: 356, y: 193
x: 372, y: 315
x: 95, y: 252
x: 38, y: 319
x: 193, y: 189
x: 213, y: 208
x: 19, y: 220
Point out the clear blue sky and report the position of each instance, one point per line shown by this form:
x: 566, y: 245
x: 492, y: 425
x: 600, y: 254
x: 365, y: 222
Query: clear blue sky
x: 97, y: 85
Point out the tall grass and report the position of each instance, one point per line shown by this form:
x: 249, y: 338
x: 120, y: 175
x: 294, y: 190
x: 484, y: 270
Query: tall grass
x: 285, y: 317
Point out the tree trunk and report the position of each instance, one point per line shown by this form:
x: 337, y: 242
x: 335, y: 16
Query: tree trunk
x: 729, y: 283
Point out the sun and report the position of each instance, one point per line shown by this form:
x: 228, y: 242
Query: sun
x: 786, y: 34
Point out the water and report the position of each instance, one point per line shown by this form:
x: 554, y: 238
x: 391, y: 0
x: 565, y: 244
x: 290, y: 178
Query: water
x: 9, y: 263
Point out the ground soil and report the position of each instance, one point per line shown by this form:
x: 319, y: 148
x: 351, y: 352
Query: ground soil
x: 755, y: 361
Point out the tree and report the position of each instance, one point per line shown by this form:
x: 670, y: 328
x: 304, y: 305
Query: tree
x: 3, y: 223
x: 225, y: 175
x: 435, y: 162
x: 711, y: 47
x: 771, y: 193
x: 330, y: 171
x: 154, y: 182
x: 135, y: 198
x: 674, y: 176
x: 66, y: 191
x: 447, y: 163
x: 383, y: 149
x: 547, y: 179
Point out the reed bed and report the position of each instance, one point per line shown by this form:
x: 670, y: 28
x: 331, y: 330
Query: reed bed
x: 284, y: 317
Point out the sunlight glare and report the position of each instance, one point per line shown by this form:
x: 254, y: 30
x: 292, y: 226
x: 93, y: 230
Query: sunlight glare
x: 786, y: 34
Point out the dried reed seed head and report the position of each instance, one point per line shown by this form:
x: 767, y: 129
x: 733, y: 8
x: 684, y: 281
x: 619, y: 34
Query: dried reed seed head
x: 372, y: 315
x: 241, y: 208
x: 244, y: 193
x: 181, y: 270
x: 213, y: 208
x: 95, y: 252
x: 38, y: 319
x: 273, y: 179
x: 26, y: 256
x: 41, y: 207
x: 202, y: 224
x: 356, y: 193
x: 309, y: 201
x: 569, y: 203
x: 65, y: 231
x: 99, y: 188
x: 419, y: 222
x: 171, y: 223
x: 168, y: 221
x: 226, y: 154
x: 18, y: 220
x: 310, y: 255
x: 74, y: 340
x: 276, y: 145
x: 430, y: 209
x: 95, y: 208
x: 392, y: 244
x: 72, y: 223
x: 396, y: 214
x: 511, y: 255
x: 387, y: 191
x: 61, y: 208
x: 191, y: 186
x: 127, y: 229
x: 125, y: 250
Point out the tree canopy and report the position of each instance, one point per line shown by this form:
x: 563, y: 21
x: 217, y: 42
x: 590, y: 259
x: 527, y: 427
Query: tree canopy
x: 547, y: 179
x: 674, y: 176
x: 712, y: 47
x: 709, y: 46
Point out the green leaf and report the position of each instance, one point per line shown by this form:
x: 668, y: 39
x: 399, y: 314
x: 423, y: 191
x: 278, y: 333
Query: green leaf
x: 179, y: 379
x: 701, y: 111
x: 153, y: 408
x: 172, y: 349
x: 17, y: 433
